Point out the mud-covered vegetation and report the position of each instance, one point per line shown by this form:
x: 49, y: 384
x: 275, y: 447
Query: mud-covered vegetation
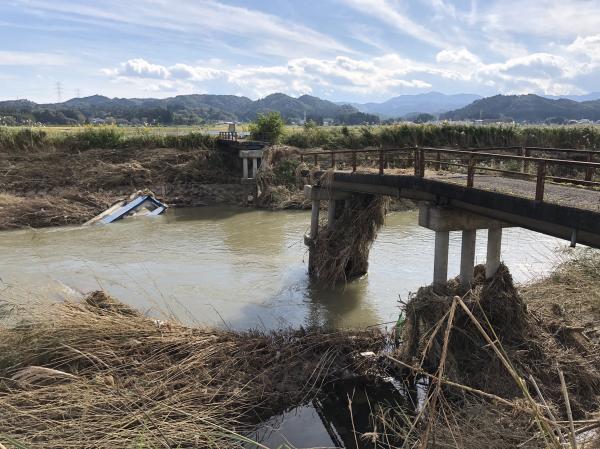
x: 49, y: 180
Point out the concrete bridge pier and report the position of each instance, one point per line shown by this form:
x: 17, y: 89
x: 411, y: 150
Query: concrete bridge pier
x: 442, y: 220
x: 440, y: 263
x: 244, y: 167
x: 494, y: 248
x: 250, y: 155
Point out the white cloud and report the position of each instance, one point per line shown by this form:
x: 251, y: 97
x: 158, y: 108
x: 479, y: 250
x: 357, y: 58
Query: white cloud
x: 555, y: 19
x: 544, y: 73
x: 298, y: 76
x: 587, y: 46
x: 457, y: 56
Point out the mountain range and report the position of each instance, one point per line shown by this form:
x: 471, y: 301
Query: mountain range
x: 198, y: 109
x: 182, y: 109
x: 430, y: 103
x: 527, y: 108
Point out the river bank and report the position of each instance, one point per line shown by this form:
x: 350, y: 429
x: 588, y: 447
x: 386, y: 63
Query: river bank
x: 58, y: 186
x: 100, y: 374
x: 53, y: 186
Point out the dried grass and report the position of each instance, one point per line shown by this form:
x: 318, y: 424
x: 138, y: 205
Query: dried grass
x: 341, y: 252
x: 102, y: 375
x: 51, y: 210
x: 492, y: 343
x: 271, y: 192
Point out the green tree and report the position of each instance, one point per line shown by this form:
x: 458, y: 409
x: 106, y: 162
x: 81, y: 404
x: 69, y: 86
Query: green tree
x: 267, y: 127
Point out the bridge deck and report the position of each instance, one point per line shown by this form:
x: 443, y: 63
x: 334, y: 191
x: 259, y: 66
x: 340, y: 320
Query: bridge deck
x: 554, y: 193
x: 565, y: 209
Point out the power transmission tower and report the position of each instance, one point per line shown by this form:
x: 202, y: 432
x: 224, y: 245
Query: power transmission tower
x: 77, y: 93
x: 59, y: 91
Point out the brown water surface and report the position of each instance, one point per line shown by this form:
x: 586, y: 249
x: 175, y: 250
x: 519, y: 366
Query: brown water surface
x: 239, y: 267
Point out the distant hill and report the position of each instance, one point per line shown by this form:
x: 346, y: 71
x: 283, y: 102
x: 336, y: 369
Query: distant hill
x: 527, y: 108
x: 182, y: 109
x: 404, y: 105
x: 585, y: 97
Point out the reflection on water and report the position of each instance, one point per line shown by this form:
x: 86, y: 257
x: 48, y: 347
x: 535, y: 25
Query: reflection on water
x: 239, y: 267
x: 341, y: 416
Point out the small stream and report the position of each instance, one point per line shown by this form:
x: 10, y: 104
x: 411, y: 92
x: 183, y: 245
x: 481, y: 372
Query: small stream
x: 239, y: 268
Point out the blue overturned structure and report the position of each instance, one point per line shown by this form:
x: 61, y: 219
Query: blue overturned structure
x: 139, y: 204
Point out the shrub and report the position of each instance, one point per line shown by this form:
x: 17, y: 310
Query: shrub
x: 268, y: 127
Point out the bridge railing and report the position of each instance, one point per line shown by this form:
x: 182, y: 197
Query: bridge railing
x: 228, y: 135
x: 471, y: 161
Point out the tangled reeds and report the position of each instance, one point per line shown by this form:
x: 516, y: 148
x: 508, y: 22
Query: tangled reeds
x: 486, y: 351
x: 341, y: 250
x: 98, y: 374
x: 279, y: 179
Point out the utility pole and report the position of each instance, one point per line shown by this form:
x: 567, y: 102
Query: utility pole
x: 77, y: 93
x: 59, y: 91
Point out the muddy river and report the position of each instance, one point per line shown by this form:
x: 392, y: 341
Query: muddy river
x: 237, y: 267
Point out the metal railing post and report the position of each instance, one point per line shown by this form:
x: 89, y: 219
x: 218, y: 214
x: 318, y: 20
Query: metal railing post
x: 421, y: 163
x: 540, y: 181
x: 353, y: 161
x: 381, y: 162
x: 316, y: 159
x: 438, y: 159
x: 332, y: 160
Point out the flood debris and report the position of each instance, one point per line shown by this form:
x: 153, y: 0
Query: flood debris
x: 279, y: 179
x: 140, y: 203
x: 341, y: 252
x: 495, y: 368
x: 112, y: 378
x: 67, y: 208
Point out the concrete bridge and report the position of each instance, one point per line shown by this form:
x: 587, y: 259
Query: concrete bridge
x: 456, y: 192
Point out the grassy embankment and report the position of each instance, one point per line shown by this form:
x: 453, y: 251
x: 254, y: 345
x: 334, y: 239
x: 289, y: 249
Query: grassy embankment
x: 98, y: 374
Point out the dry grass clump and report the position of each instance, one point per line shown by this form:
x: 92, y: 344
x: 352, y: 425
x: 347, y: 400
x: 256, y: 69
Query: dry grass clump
x: 528, y: 341
x: 341, y: 252
x: 279, y: 179
x: 50, y: 210
x: 571, y: 295
x: 496, y: 369
x: 99, y: 374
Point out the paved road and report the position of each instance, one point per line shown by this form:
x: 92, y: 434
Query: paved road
x: 553, y: 193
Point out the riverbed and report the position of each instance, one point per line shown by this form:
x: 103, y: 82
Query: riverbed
x: 239, y: 268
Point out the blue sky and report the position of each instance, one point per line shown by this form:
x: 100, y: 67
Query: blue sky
x: 351, y: 50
